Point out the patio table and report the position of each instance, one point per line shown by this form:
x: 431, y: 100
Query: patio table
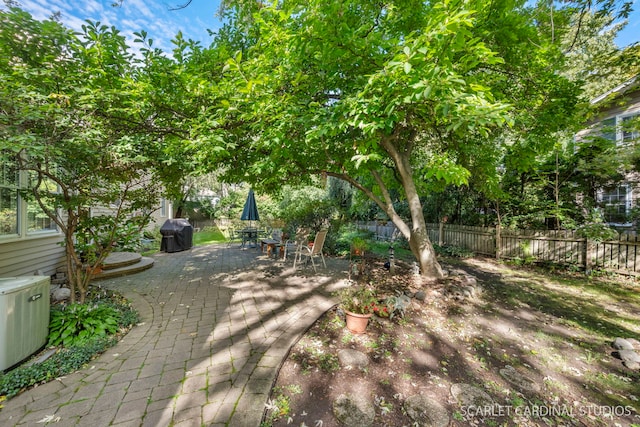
x: 271, y: 244
x: 249, y: 235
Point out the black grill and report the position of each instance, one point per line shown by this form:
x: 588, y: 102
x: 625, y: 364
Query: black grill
x: 177, y: 235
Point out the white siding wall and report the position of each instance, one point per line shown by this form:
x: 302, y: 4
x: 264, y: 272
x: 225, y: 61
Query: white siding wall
x: 26, y: 256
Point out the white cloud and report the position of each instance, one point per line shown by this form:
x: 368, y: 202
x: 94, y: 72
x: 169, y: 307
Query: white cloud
x: 153, y: 16
x: 92, y: 6
x: 131, y: 6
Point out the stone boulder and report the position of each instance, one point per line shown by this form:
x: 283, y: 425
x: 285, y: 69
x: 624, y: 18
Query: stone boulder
x: 354, y: 410
x: 519, y: 380
x: 426, y: 412
x: 61, y: 294
x: 353, y: 358
x: 471, y: 397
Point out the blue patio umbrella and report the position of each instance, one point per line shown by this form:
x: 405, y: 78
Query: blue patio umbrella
x: 250, y: 211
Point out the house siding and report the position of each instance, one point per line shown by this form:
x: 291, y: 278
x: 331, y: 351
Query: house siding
x: 45, y: 254
x: 30, y: 255
x: 617, y: 104
x: 160, y: 215
x: 628, y: 104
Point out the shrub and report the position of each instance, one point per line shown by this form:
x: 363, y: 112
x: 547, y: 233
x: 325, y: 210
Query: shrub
x: 359, y: 299
x: 453, y: 251
x: 64, y: 361
x: 77, y: 323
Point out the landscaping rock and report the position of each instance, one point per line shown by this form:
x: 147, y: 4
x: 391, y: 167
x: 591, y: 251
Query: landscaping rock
x: 626, y: 351
x: 622, y: 344
x: 353, y: 358
x: 461, y: 286
x: 61, y: 294
x: 518, y: 380
x: 629, y: 356
x: 420, y: 296
x: 470, y: 280
x: 426, y: 412
x: 634, y: 342
x: 354, y: 411
x: 471, y: 397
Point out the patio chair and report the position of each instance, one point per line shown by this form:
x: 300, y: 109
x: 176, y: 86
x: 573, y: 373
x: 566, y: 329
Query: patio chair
x: 303, y: 249
x: 231, y: 236
x: 288, y: 244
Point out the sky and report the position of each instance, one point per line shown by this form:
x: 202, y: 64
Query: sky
x: 153, y: 16
x: 162, y: 24
x: 631, y: 33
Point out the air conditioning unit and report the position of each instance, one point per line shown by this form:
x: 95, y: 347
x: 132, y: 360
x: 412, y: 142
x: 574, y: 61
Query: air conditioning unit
x: 24, y: 317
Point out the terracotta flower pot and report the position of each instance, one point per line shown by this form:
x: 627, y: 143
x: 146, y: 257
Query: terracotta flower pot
x: 357, y: 323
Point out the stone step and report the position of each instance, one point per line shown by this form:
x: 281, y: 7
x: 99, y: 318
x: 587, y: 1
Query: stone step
x: 120, y: 259
x: 144, y: 263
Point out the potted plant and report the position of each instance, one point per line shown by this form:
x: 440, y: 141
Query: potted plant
x: 358, y: 302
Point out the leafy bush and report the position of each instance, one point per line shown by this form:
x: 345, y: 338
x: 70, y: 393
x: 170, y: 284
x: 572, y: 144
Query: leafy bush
x: 453, y: 251
x: 307, y: 206
x: 596, y: 229
x: 77, y: 323
x: 346, y: 236
x: 359, y: 299
x: 64, y: 361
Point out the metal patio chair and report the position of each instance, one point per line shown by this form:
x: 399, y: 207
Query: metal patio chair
x: 303, y: 249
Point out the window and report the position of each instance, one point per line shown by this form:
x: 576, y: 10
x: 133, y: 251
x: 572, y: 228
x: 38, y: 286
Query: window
x: 37, y: 220
x: 19, y: 217
x: 615, y: 202
x: 163, y: 207
x: 608, y: 129
x: 630, y: 128
x: 8, y: 199
x: 622, y: 129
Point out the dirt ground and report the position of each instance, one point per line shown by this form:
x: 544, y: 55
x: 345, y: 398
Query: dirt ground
x: 554, y: 328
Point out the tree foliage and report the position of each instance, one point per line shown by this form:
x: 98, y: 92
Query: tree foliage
x: 400, y: 99
x: 64, y: 99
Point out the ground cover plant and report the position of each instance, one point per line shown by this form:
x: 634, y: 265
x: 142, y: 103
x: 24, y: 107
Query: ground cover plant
x: 550, y: 327
x: 79, y: 332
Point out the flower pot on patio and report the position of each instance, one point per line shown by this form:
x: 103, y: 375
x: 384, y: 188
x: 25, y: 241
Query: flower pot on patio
x: 357, y: 323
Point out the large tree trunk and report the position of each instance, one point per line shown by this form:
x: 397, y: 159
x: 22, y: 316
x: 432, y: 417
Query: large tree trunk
x: 417, y: 236
x: 419, y: 243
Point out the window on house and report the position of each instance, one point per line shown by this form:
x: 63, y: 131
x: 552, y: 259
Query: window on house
x: 615, y: 203
x: 608, y: 129
x: 8, y: 199
x: 19, y: 217
x: 630, y: 128
x: 37, y: 220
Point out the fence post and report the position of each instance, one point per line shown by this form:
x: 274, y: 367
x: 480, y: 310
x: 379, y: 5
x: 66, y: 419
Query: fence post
x: 586, y: 254
x: 441, y: 234
x: 498, y: 241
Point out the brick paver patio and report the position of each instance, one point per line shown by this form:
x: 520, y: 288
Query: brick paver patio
x: 217, y: 323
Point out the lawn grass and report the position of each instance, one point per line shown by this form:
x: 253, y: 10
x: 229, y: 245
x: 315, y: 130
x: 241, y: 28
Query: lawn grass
x: 208, y: 236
